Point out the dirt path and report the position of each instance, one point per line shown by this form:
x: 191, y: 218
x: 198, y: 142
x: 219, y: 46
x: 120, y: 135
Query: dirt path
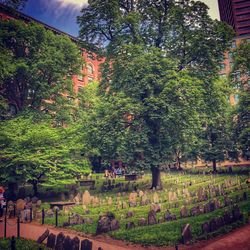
x: 238, y: 239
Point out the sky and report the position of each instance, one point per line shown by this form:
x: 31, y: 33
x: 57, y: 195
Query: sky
x: 62, y: 14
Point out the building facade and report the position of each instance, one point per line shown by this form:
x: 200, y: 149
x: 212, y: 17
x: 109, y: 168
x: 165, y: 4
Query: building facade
x: 237, y: 14
x: 90, y: 72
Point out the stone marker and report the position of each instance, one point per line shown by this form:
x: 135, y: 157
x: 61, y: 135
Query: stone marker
x: 51, y: 241
x: 59, y: 241
x: 184, y: 212
x: 156, y: 207
x: 130, y: 225
x: 155, y: 198
x: 186, y: 234
x: 129, y: 214
x: 86, y: 198
x: 75, y: 243
x: 142, y: 222
x: 152, y: 218
x: 110, y: 201
x: 44, y: 236
x: 205, y: 228
x: 67, y: 243
x: 86, y: 245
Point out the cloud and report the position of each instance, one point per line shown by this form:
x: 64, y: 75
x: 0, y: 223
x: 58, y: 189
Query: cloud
x: 75, y: 3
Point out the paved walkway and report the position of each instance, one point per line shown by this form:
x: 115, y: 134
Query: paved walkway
x: 239, y: 239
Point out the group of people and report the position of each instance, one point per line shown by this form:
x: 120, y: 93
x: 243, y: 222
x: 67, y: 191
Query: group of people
x: 112, y: 173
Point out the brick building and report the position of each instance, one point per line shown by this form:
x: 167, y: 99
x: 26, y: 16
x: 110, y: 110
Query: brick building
x: 236, y: 13
x: 91, y: 70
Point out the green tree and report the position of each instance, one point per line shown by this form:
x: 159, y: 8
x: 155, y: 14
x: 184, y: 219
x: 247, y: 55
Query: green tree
x: 241, y: 81
x: 32, y: 149
x: 182, y: 31
x: 216, y: 135
x: 17, y: 4
x: 150, y: 111
x: 36, y: 66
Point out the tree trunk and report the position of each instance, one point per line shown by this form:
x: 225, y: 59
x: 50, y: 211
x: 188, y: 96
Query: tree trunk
x: 35, y: 188
x: 214, y: 165
x: 156, y: 178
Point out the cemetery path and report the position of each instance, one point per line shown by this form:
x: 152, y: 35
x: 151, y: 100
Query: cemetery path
x: 237, y: 239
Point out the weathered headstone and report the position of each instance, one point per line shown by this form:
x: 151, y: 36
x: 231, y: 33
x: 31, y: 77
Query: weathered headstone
x: 75, y: 243
x: 156, y: 207
x: 142, y: 222
x: 186, y: 234
x: 44, y: 236
x: 86, y: 245
x: 67, y: 243
x: 184, y: 212
x: 205, y: 228
x: 59, y: 241
x: 86, y: 198
x: 110, y: 201
x: 152, y: 218
x: 51, y: 241
x: 129, y: 214
x: 130, y: 225
x: 155, y: 198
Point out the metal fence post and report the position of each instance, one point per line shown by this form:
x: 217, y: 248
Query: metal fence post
x: 56, y: 218
x: 30, y: 214
x: 18, y: 226
x: 43, y: 216
x: 5, y: 226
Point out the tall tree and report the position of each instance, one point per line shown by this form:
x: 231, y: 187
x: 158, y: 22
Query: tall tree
x: 32, y: 149
x: 216, y: 134
x: 151, y: 110
x: 240, y: 79
x: 38, y: 65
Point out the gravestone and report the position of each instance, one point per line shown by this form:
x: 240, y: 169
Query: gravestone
x: 110, y: 201
x: 51, y: 241
x: 129, y: 214
x: 168, y: 216
x: 59, y: 241
x: 141, y: 193
x: 152, y: 218
x: 213, y: 225
x: 144, y: 200
x: 132, y: 197
x: 205, y: 228
x: 184, y: 212
x: 86, y: 245
x: 75, y: 243
x: 114, y: 225
x: 44, y: 236
x: 155, y: 198
x: 156, y: 207
x: 130, y: 225
x: 67, y: 243
x: 142, y: 222
x: 124, y: 205
x: 227, y: 217
x: 236, y: 213
x: 186, y: 234
x: 86, y: 198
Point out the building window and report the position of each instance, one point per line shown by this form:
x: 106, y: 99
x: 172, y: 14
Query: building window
x: 90, y: 69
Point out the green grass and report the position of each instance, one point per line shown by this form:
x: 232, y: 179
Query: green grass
x: 167, y: 233
x: 21, y: 244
